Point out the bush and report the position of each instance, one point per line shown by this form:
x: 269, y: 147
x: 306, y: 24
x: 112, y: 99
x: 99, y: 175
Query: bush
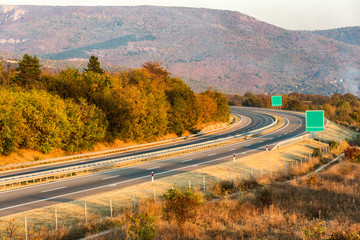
x: 345, y: 236
x: 142, y: 226
x: 248, y: 184
x: 353, y: 154
x: 264, y: 195
x: 316, y: 152
x: 311, y: 179
x: 316, y: 233
x: 333, y: 145
x: 181, y: 205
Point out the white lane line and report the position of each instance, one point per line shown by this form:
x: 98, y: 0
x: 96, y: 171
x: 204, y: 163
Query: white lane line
x: 211, y: 154
x: 248, y: 145
x: 186, y: 160
x: 261, y: 142
x: 230, y: 150
x: 194, y: 165
x: 153, y: 168
x: 54, y: 189
x: 110, y: 177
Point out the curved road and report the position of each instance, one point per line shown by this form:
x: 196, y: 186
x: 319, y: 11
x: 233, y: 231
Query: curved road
x: 23, y: 199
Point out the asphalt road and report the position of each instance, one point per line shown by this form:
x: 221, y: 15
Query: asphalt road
x: 18, y: 200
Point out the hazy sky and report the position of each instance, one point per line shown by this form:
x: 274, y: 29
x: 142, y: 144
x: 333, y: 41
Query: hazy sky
x: 289, y: 14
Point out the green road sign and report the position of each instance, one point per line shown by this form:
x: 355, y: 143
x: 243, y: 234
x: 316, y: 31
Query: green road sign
x: 276, y: 101
x: 315, y: 121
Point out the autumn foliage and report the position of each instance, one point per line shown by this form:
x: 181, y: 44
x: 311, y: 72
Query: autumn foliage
x: 73, y: 110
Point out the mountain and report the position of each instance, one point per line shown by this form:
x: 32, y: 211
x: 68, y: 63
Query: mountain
x: 228, y: 50
x: 349, y: 35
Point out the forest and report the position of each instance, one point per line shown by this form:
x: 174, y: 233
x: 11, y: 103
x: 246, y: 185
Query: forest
x: 342, y: 109
x: 73, y: 110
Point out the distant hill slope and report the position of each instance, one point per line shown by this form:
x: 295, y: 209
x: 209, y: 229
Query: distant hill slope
x: 227, y: 50
x: 349, y: 35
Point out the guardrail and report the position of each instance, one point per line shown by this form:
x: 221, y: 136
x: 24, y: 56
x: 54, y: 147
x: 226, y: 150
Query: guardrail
x: 25, y: 178
x: 112, y: 151
x: 291, y: 141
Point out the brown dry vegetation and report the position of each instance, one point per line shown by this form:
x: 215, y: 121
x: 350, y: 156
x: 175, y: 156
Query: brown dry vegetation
x: 276, y: 211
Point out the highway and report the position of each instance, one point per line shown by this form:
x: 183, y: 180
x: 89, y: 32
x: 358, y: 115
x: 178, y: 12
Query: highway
x: 26, y: 198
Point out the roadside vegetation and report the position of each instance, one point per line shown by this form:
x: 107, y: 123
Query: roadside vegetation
x: 73, y: 110
x: 322, y: 205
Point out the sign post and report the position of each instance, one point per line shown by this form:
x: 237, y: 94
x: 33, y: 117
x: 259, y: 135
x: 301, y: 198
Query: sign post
x: 152, y: 176
x: 276, y: 101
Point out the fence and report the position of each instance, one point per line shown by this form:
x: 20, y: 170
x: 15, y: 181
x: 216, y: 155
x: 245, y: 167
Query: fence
x: 290, y: 141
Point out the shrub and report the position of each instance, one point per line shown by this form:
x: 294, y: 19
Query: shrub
x: 264, y: 195
x: 345, y: 236
x: 353, y: 154
x: 248, y: 184
x: 311, y: 179
x: 333, y: 145
x: 316, y: 233
x: 316, y: 152
x: 142, y: 226
x: 181, y: 205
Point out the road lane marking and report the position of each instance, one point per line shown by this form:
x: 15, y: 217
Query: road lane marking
x: 110, y: 177
x: 54, y: 189
x: 211, y: 154
x: 153, y: 168
x: 186, y: 160
x: 230, y: 150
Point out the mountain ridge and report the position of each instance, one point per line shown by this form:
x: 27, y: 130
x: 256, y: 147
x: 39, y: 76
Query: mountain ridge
x: 226, y: 49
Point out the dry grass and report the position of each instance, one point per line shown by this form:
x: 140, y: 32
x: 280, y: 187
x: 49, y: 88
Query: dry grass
x: 332, y: 201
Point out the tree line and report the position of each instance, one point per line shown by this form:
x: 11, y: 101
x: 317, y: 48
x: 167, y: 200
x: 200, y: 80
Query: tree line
x: 343, y: 109
x: 73, y: 110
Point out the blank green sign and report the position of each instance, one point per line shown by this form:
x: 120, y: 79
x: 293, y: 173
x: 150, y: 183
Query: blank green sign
x: 276, y: 101
x: 315, y: 121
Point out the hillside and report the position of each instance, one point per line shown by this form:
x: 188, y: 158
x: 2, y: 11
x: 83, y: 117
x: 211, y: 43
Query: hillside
x: 349, y: 35
x: 227, y: 50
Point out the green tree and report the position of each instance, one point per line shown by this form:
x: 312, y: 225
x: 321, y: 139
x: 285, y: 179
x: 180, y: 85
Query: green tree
x: 222, y: 110
x: 28, y: 73
x: 94, y: 66
x: 183, y: 112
